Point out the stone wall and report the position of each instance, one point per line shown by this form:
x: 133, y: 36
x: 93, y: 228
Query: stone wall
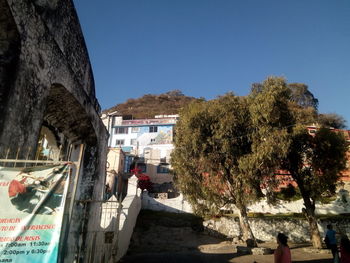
x: 9, y: 54
x: 340, y: 205
x: 266, y: 229
x: 46, y: 63
x: 46, y: 79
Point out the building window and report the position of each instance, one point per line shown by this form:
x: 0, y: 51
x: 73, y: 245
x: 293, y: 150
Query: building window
x: 135, y: 129
x: 153, y: 128
x: 121, y: 130
x: 153, y: 140
x: 142, y: 167
x: 119, y: 142
x: 163, y: 169
x: 133, y: 141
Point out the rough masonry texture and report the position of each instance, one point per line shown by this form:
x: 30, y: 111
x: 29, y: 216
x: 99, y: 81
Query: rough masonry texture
x: 46, y: 79
x: 266, y: 229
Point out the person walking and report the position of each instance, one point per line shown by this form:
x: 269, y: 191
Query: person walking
x: 331, y: 240
x: 282, y: 253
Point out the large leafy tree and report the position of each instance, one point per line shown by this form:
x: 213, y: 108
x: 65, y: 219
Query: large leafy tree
x: 299, y: 93
x: 222, y: 155
x: 316, y: 161
x: 272, y: 120
x: 211, y: 138
x: 228, y: 149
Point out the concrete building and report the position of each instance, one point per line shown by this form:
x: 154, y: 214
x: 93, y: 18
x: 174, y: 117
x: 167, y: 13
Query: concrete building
x: 117, y: 178
x: 149, y: 139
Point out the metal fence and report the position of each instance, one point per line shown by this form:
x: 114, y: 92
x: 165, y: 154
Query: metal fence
x: 100, y: 219
x: 20, y: 157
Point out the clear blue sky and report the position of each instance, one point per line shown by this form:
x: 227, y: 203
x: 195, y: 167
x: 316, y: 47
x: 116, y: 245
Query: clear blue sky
x: 206, y: 48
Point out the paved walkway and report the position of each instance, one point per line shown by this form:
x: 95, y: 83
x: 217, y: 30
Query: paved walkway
x: 175, y: 239
x: 224, y: 252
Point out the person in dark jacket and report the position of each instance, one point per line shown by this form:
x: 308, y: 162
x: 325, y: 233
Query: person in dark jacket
x: 331, y: 240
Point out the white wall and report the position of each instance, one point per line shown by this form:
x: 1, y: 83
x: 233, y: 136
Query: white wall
x: 337, y: 206
x: 131, y: 208
x: 266, y: 229
x: 179, y: 204
x: 103, y: 251
x: 175, y: 205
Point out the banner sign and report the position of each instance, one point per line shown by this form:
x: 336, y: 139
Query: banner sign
x: 31, y: 211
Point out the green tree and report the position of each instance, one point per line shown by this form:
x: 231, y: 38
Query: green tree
x: 272, y: 120
x: 210, y: 140
x: 218, y: 147
x: 315, y: 162
x: 301, y: 95
x: 332, y: 120
x: 227, y: 150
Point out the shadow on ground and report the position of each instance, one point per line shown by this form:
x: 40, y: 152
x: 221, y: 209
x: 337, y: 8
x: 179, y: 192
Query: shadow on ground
x: 173, y: 237
x: 314, y: 261
x: 182, y: 257
x: 170, y: 237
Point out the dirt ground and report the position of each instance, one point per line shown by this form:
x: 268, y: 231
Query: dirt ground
x: 221, y: 252
x: 300, y: 253
x: 181, y: 239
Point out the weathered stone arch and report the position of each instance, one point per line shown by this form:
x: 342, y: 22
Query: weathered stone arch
x: 46, y: 80
x: 9, y: 53
x: 65, y: 113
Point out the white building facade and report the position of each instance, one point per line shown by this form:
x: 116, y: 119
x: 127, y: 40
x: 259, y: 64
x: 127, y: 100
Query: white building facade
x: 149, y: 139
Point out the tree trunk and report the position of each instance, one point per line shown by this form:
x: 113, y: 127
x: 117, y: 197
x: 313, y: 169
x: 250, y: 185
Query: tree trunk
x: 309, y: 212
x: 247, y: 233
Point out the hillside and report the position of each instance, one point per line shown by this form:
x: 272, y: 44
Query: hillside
x: 150, y: 105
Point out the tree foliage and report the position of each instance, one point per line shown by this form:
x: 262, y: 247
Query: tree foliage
x: 302, y: 96
x: 210, y: 140
x: 332, y: 120
x: 212, y: 137
x: 272, y: 122
x: 315, y: 162
x: 227, y: 150
x: 299, y: 94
